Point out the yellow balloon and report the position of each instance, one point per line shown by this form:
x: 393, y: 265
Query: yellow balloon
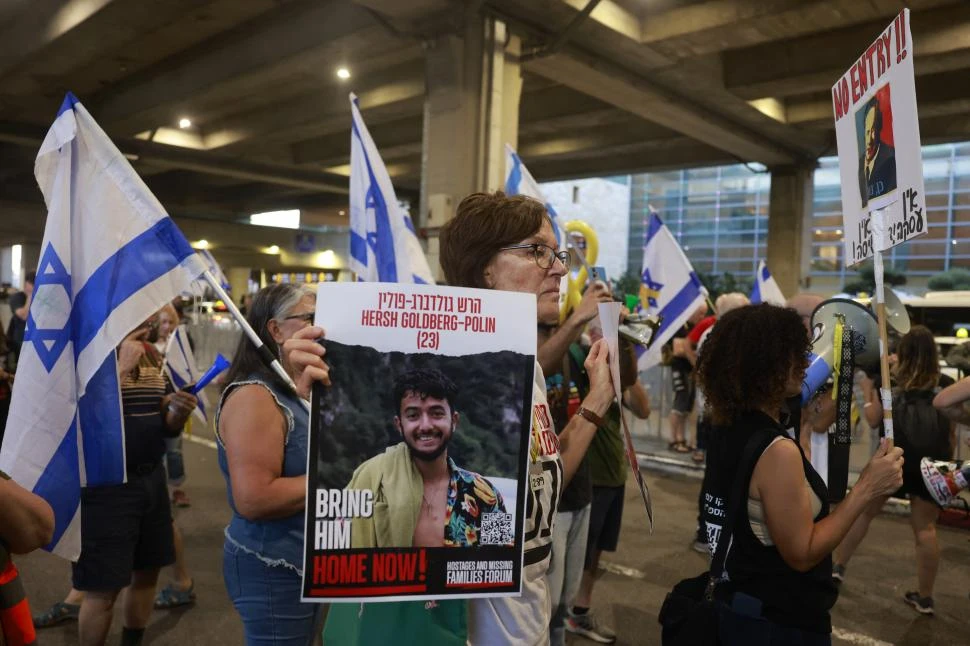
x: 575, y: 284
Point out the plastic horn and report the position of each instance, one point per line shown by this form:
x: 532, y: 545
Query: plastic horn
x: 265, y: 354
x: 575, y: 284
x: 220, y: 364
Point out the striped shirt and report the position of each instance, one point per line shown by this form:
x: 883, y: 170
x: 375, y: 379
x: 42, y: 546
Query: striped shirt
x: 142, y: 391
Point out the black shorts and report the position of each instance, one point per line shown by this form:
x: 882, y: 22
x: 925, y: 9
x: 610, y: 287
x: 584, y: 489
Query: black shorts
x: 913, y: 485
x: 684, y: 391
x: 124, y: 528
x: 605, y: 518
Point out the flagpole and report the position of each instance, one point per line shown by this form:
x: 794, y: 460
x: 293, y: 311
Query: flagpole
x: 265, y: 354
x: 885, y: 392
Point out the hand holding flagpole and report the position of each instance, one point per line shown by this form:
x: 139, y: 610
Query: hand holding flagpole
x: 265, y: 354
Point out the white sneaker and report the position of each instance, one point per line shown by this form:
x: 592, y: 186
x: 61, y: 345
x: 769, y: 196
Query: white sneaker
x: 587, y: 626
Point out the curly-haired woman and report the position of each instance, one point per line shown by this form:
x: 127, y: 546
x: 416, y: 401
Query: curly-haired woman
x: 776, y: 587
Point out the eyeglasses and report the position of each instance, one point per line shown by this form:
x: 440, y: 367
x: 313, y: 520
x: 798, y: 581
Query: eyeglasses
x: 544, y: 254
x: 306, y: 317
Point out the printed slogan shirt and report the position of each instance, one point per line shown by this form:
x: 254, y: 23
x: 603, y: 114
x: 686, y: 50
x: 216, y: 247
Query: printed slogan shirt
x: 525, y: 620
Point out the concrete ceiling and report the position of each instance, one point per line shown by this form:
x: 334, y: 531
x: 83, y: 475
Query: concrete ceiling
x: 638, y: 85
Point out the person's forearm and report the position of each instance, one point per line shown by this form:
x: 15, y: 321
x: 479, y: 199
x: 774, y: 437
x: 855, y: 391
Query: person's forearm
x: 574, y: 440
x: 551, y: 353
x: 279, y: 498
x: 637, y: 400
x: 952, y: 401
x: 829, y: 532
x: 628, y: 364
x: 26, y: 520
x: 953, y: 395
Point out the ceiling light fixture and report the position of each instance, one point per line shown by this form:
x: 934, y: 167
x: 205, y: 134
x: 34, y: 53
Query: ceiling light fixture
x: 343, y: 73
x: 201, y: 244
x: 185, y: 123
x: 273, y: 249
x: 342, y: 212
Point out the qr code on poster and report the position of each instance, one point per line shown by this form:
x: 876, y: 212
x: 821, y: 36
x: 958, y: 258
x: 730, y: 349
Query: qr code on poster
x: 496, y: 529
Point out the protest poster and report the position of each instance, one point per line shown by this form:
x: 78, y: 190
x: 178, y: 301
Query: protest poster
x: 609, y: 315
x: 880, y: 163
x: 418, y: 456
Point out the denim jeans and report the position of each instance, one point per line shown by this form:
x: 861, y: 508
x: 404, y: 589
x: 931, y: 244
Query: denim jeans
x: 174, y: 464
x: 267, y: 599
x: 738, y: 628
x: 565, y: 573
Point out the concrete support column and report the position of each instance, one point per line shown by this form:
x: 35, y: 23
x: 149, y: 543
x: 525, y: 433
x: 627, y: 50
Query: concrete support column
x: 238, y: 282
x: 789, y: 225
x: 471, y: 111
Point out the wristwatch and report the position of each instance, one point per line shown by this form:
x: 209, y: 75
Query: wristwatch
x: 590, y: 416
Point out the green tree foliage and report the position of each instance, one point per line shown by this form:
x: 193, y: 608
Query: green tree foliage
x: 865, y: 279
x: 356, y: 419
x: 950, y: 280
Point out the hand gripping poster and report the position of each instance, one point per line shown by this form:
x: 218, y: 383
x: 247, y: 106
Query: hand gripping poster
x: 880, y: 163
x: 419, y: 448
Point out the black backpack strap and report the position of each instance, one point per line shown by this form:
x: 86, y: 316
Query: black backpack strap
x: 749, y: 458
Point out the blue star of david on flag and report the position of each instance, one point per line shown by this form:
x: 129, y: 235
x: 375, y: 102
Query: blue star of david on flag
x: 51, y: 302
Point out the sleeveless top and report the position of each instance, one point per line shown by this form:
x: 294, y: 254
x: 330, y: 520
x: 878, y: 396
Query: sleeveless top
x: 277, y: 542
x: 789, y: 597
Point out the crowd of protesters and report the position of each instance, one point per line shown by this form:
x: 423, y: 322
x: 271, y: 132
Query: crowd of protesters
x: 776, y: 585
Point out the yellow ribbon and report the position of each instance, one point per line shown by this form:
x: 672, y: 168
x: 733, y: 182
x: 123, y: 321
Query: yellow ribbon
x: 836, y: 356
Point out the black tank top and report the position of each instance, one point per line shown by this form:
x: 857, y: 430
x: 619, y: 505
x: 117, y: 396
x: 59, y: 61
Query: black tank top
x: 789, y: 597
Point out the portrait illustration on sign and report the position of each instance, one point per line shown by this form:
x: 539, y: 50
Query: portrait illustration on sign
x: 877, y: 152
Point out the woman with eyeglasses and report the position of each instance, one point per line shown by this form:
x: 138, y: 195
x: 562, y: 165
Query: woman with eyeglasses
x: 505, y: 242
x: 262, y: 430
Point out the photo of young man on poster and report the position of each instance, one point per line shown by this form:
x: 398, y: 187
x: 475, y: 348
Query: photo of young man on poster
x: 877, y: 155
x: 422, y: 498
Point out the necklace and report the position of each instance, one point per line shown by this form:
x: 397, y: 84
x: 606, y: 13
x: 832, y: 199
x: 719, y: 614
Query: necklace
x: 424, y: 499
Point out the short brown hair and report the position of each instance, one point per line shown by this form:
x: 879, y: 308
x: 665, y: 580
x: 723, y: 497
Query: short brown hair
x: 483, y: 224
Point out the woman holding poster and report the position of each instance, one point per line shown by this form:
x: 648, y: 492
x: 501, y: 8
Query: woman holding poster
x: 507, y: 243
x: 262, y: 430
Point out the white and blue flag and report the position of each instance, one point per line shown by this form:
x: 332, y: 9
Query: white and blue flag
x: 668, y: 287
x: 110, y: 258
x: 383, y: 243
x: 182, y: 369
x: 765, y: 288
x: 519, y: 181
x: 214, y: 268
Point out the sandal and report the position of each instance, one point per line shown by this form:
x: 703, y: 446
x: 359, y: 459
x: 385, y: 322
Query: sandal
x: 172, y: 597
x: 682, y: 448
x: 698, y: 457
x: 58, y: 613
x: 672, y: 446
x: 181, y: 499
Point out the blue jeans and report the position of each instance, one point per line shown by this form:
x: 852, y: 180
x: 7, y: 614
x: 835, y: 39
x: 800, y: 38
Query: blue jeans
x: 267, y: 599
x: 569, y: 536
x: 740, y: 628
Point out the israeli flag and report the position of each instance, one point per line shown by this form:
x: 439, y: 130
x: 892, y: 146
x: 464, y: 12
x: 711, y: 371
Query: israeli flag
x: 182, y: 369
x: 765, y: 289
x: 110, y: 258
x: 383, y: 244
x: 214, y: 267
x: 668, y: 287
x: 519, y: 181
